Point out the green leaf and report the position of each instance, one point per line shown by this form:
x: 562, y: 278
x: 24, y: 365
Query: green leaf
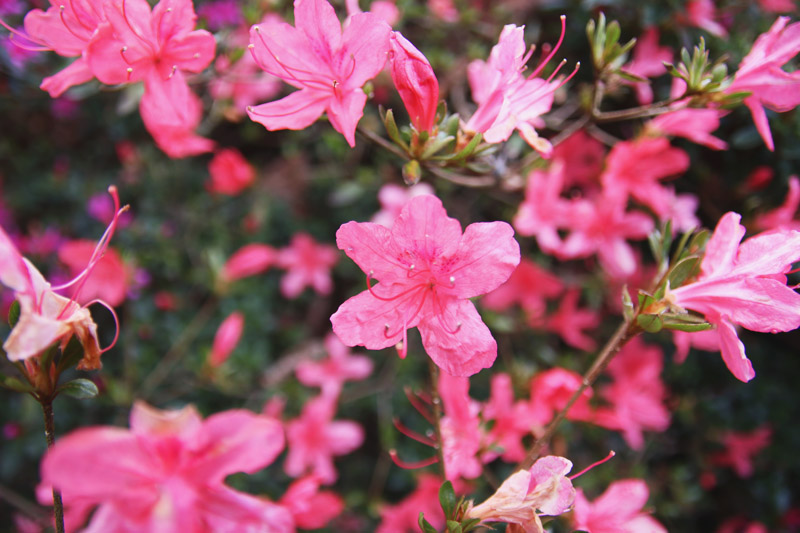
x: 470, y: 524
x: 631, y: 77
x: 699, y: 241
x: 13, y: 313
x: 79, y: 388
x: 688, y: 327
x: 424, y: 525
x: 392, y: 131
x: 71, y: 355
x: 627, y: 303
x: 468, y: 149
x: 683, y: 270
x: 678, y: 254
x: 436, y: 144
x: 453, y: 527
x: 47, y: 357
x: 650, y: 323
x: 447, y: 499
x: 14, y: 384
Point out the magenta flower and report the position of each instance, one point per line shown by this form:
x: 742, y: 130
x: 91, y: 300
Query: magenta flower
x: 741, y: 448
x: 530, y: 286
x: 512, y: 421
x: 403, y: 517
x: 226, y: 338
x: 111, y: 277
x: 230, y: 172
x: 167, y: 472
x: 249, y: 260
x: 427, y: 270
x: 760, y: 73
x: 460, y: 428
x: 782, y: 217
x: 617, y: 510
x: 414, y: 79
x: 331, y: 372
x: 328, y: 65
x: 744, y: 284
x: 308, y: 264
x: 691, y: 123
x: 394, y: 197
x: 648, y: 62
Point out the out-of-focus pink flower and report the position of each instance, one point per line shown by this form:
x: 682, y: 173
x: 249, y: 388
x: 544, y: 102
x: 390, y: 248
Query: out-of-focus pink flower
x: 702, y: 340
x: 617, y: 510
x: 550, y: 392
x: 760, y: 73
x: 167, y: 472
x: 782, y: 217
x: 740, y: 524
x: 428, y: 269
x: 328, y: 65
x: 393, y: 198
x: 778, y: 6
x: 221, y: 13
x: 741, y: 448
x: 308, y: 264
x: 530, y: 285
x: 315, y: 438
x: 544, y: 490
x: 744, y: 284
x: 690, y: 123
x: 385, y: 10
x: 403, y: 517
x: 110, y: 278
x: 512, y: 421
x: 414, y: 79
x: 569, y: 322
x: 46, y: 317
x: 648, y: 62
x: 582, y: 157
x: 703, y: 14
x: 506, y: 99
x: 330, y: 373
x: 759, y: 178
x: 249, y: 260
x: 460, y: 429
x: 230, y: 172
x: 163, y: 46
x: 544, y: 211
x: 101, y: 208
x: 44, y: 242
x: 637, y: 394
x: 310, y: 507
x: 226, y: 338
x: 242, y: 82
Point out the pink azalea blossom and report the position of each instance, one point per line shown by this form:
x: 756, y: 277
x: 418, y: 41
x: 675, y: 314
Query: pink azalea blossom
x: 740, y: 524
x: 530, y: 285
x: 507, y: 100
x: 582, y: 157
x: 637, y: 394
x: 760, y: 74
x: 156, y: 46
x: 777, y: 6
x: 226, y: 338
x: 110, y: 279
x: 744, y: 284
x: 648, y: 62
x: 385, y: 10
x: 691, y: 123
x: 782, y: 217
x: 310, y: 507
x: 403, y: 517
x: 414, y: 79
x: 741, y: 448
x: 544, y: 211
x: 331, y: 372
x: 544, y: 490
x: 550, y: 392
x: 703, y: 14
x: 617, y: 510
x: 460, y: 429
x: 315, y: 438
x: 328, y: 65
x: 248, y: 260
x: 512, y: 421
x: 46, y: 317
x: 444, y: 10
x: 167, y: 472
x: 393, y: 198
x: 221, y: 13
x: 230, y: 172
x: 428, y: 269
x: 308, y: 264
x: 701, y: 340
x: 569, y: 322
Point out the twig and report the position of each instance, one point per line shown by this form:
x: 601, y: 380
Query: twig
x: 437, y: 414
x: 50, y: 435
x: 383, y: 143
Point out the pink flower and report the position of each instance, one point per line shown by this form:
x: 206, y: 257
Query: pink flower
x: 777, y: 6
x: 403, y: 517
x: 617, y: 510
x: 427, y: 270
x: 110, y: 278
x: 308, y: 263
x: 414, y: 79
x: 46, y: 317
x: 226, y: 338
x: 782, y: 217
x: 550, y: 392
x: 741, y: 448
x: 691, y: 123
x: 512, y: 421
x: 393, y: 198
x: 740, y: 524
x: 506, y: 99
x: 385, y: 10
x: 314, y: 439
x: 460, y: 428
x: 248, y: 260
x: 569, y: 321
x: 544, y: 211
x: 530, y: 285
x: 544, y: 490
x: 221, y: 13
x: 744, y: 284
x: 703, y: 14
x: 328, y: 65
x: 230, y: 172
x: 330, y: 373
x: 637, y: 394
x: 760, y: 73
x: 158, y: 46
x: 310, y: 507
x: 167, y: 472
x: 582, y: 158
x: 648, y: 62
x: 701, y: 340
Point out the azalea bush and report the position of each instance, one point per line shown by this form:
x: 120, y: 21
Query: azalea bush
x: 393, y: 266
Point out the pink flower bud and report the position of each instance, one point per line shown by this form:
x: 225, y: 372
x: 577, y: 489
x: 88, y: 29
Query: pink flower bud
x: 415, y: 81
x: 226, y: 338
x: 230, y: 172
x: 249, y: 260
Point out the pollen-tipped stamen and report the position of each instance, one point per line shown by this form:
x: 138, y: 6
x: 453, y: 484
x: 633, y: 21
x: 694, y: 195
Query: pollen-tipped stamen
x: 409, y: 465
x: 544, y: 61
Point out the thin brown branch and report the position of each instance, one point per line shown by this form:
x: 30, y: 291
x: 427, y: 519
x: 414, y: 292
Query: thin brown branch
x: 50, y: 435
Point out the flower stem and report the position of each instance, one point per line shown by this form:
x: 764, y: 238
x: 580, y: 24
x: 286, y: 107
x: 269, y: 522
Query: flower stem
x: 50, y: 435
x: 625, y: 332
x: 437, y: 414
